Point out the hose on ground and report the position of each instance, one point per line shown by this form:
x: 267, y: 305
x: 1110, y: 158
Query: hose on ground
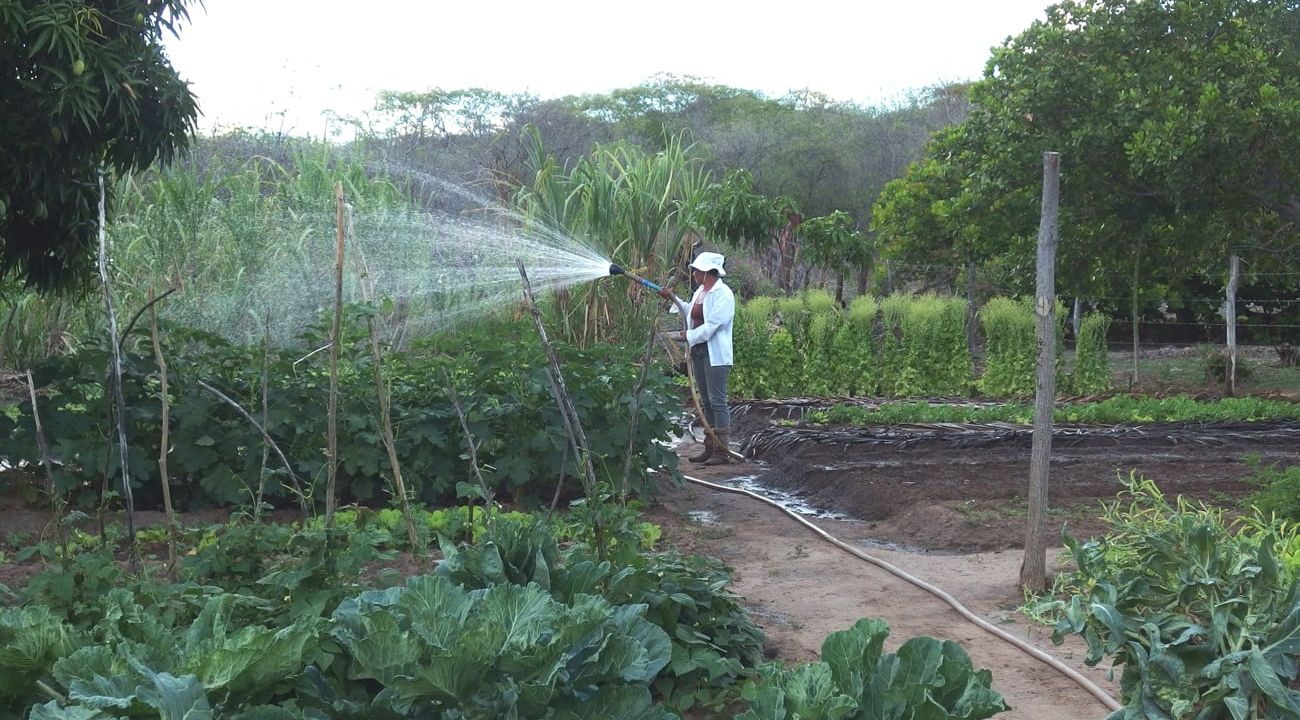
x: 952, y: 602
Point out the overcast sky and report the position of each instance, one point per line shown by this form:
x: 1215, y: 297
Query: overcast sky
x: 281, y: 63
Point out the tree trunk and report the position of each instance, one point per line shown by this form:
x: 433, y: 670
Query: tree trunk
x: 1033, y: 569
x: 839, y: 288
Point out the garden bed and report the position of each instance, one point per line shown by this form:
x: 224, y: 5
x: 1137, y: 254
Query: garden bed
x: 962, y: 488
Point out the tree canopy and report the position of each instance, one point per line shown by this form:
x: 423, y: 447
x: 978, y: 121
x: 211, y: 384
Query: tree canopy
x: 1179, y: 128
x: 84, y: 85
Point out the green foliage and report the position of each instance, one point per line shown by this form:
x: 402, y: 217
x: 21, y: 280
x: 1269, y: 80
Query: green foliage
x: 782, y: 373
x: 930, y: 336
x: 96, y: 91
x: 1010, y: 348
x: 1211, y: 95
x: 217, y: 456
x: 750, y: 338
x: 924, y: 678
x: 713, y: 642
x: 1279, y: 490
x: 1214, y: 363
x: 1201, y: 616
x: 507, y: 650
x: 1091, y: 356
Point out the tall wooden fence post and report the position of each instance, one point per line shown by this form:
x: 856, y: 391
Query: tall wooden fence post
x: 1230, y: 317
x: 1033, y: 569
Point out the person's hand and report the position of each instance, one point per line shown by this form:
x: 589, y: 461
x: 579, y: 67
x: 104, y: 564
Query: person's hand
x: 680, y: 335
x: 665, y: 294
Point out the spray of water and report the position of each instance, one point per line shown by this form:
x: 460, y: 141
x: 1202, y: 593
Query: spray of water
x: 444, y: 268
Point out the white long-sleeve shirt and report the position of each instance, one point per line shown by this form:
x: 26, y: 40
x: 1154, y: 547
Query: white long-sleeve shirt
x: 719, y: 314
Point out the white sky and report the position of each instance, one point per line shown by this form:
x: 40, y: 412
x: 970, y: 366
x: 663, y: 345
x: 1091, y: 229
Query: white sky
x: 280, y: 63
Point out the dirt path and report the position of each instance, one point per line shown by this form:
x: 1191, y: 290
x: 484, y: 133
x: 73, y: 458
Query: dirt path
x: 801, y: 588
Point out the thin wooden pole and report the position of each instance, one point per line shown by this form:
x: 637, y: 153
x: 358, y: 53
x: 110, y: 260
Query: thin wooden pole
x: 332, y: 414
x: 1137, y: 256
x: 1033, y: 570
x: 119, y: 398
x: 46, y: 460
x: 1230, y: 317
x: 385, y: 395
x: 164, y: 442
x: 568, y: 414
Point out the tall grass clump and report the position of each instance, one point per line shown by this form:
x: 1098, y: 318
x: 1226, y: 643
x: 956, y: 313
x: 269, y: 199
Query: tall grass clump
x: 751, y: 337
x: 1091, y: 356
x: 893, y: 357
x: 794, y: 318
x: 781, y: 366
x: 924, y: 350
x: 1010, y: 348
x: 819, y: 363
x: 822, y: 378
x: 855, y: 348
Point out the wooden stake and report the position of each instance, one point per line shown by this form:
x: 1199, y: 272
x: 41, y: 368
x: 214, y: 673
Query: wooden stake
x: 568, y: 414
x: 1033, y: 569
x: 1230, y: 317
x: 332, y: 414
x: 119, y: 398
x: 385, y: 404
x: 164, y: 442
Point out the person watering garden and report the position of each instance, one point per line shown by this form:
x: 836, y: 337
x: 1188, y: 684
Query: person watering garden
x: 711, y: 311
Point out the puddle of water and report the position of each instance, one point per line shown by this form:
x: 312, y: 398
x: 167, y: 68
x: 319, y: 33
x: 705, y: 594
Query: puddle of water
x: 703, y: 517
x: 787, y: 500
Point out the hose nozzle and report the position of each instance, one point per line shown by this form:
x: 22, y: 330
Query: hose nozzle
x: 615, y: 270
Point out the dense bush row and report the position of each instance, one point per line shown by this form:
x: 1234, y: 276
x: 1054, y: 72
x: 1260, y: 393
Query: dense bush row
x: 900, y: 346
x: 218, y: 458
x: 509, y: 625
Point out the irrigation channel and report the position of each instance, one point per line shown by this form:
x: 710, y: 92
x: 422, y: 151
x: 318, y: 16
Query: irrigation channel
x: 930, y: 495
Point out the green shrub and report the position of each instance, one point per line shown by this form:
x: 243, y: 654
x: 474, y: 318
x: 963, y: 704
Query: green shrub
x: 1195, y: 608
x: 782, y: 371
x: 1010, y: 349
x: 935, y: 358
x: 1091, y: 356
x: 1279, y: 490
x: 857, y: 341
x: 750, y: 337
x: 819, y: 356
x: 924, y: 678
x: 1214, y: 363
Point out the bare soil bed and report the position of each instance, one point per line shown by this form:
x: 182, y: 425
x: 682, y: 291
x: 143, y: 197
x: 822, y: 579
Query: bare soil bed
x: 945, y: 488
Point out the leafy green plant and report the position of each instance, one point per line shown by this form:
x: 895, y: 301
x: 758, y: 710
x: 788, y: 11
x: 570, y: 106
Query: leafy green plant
x: 1009, y: 348
x: 1198, y: 612
x: 1279, y: 490
x: 507, y: 650
x: 1214, y: 363
x: 925, y: 678
x: 217, y: 456
x: 714, y: 643
x: 1091, y: 356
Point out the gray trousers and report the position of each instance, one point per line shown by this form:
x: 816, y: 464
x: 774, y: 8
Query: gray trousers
x: 712, y: 383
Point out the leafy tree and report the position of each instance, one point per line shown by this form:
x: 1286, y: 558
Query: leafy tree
x: 84, y: 85
x: 835, y: 242
x: 1177, y: 122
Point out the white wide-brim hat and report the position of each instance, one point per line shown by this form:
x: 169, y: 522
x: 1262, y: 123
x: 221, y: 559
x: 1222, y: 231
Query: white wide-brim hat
x: 707, y: 261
